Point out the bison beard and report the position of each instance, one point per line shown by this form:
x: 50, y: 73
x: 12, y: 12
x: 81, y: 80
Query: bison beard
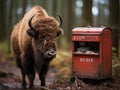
x: 33, y: 43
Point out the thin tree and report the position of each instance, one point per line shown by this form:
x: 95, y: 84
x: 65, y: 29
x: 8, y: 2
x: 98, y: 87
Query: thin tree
x: 24, y: 5
x: 10, y: 19
x: 87, y: 12
x: 114, y: 22
x: 2, y: 19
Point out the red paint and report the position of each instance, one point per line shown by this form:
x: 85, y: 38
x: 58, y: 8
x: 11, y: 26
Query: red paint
x: 92, y: 52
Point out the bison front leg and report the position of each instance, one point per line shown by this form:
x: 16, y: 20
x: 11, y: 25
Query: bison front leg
x: 30, y: 69
x: 23, y: 71
x: 27, y: 64
x: 23, y: 79
x: 31, y: 77
x: 42, y: 74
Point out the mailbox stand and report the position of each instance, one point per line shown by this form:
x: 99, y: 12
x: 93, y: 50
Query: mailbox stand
x: 92, y: 52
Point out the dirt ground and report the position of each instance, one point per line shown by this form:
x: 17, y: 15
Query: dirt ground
x: 10, y: 79
x: 87, y: 85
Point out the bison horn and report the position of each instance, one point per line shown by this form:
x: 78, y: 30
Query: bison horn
x: 30, y: 24
x: 61, y: 21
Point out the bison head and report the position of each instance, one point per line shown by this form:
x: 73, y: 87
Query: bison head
x: 44, y: 33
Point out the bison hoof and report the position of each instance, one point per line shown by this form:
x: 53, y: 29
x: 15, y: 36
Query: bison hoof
x: 31, y: 86
x: 24, y: 85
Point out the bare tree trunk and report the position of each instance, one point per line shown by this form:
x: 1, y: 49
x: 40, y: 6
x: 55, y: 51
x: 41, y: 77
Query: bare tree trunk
x: 24, y: 5
x: 2, y: 19
x: 50, y: 7
x: 114, y: 22
x: 87, y: 12
x: 119, y: 32
x: 43, y: 3
x: 70, y: 19
x: 10, y: 24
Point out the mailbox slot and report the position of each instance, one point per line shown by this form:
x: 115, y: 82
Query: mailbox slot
x: 86, y: 48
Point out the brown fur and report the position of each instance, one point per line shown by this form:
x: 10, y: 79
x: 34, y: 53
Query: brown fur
x: 26, y: 48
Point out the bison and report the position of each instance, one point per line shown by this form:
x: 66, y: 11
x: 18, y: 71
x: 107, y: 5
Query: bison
x: 33, y: 42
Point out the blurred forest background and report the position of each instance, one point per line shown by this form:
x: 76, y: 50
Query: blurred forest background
x: 75, y: 13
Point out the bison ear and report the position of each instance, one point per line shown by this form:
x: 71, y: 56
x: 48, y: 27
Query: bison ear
x: 59, y: 32
x: 31, y: 33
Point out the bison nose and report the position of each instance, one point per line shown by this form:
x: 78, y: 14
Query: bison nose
x: 51, y: 53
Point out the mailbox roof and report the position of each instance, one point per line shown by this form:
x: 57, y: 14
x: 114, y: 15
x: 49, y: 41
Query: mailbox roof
x: 88, y: 30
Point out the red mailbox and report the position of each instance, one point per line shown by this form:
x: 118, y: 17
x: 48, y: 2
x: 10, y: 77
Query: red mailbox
x: 92, y: 52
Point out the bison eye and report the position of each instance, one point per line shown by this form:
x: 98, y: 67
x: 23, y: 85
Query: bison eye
x: 47, y: 38
x: 40, y: 36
